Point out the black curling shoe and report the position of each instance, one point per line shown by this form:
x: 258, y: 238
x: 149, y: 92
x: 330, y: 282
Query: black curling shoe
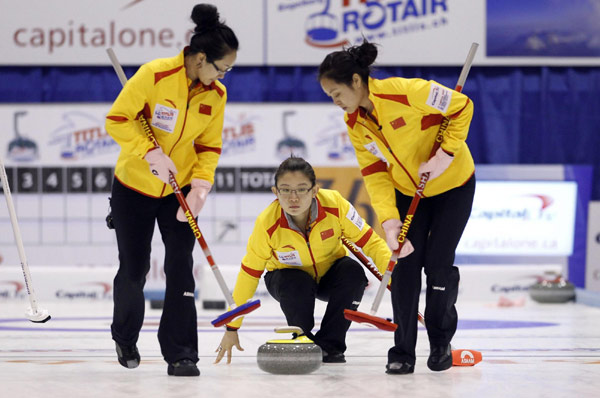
x: 440, y: 357
x: 399, y: 368
x: 336, y: 357
x: 184, y: 367
x: 128, y: 355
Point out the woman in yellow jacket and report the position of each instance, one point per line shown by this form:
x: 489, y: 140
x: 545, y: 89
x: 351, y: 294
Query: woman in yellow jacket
x: 392, y: 124
x: 183, y: 102
x: 297, y: 239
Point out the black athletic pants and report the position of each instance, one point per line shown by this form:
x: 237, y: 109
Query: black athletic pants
x: 134, y: 217
x: 342, y: 287
x: 435, y: 232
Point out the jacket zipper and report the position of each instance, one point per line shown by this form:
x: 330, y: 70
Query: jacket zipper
x: 306, y: 237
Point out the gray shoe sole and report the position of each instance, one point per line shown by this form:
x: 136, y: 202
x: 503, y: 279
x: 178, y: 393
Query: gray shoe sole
x: 130, y: 363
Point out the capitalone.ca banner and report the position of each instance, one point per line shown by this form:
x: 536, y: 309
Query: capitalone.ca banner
x: 303, y: 32
x: 77, y: 32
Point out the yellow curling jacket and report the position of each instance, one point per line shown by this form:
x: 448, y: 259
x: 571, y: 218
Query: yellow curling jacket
x: 277, y: 243
x: 391, y: 145
x: 186, y: 122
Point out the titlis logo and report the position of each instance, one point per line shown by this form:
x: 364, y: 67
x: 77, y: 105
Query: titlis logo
x: 192, y: 223
x: 404, y: 229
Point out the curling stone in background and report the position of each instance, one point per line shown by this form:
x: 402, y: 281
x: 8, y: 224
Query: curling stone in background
x: 552, y: 288
x: 298, y: 355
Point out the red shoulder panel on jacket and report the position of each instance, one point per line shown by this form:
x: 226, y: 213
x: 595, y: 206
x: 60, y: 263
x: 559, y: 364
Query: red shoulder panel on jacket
x: 161, y: 75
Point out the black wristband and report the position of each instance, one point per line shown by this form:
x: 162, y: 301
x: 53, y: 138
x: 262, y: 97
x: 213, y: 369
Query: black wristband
x: 229, y: 329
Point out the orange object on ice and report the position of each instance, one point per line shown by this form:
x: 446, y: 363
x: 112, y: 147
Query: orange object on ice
x: 466, y: 357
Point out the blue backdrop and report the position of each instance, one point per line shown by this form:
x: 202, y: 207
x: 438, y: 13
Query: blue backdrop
x: 523, y: 115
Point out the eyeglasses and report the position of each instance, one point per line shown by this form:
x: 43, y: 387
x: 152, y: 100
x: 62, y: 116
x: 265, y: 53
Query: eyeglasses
x: 219, y: 70
x: 299, y: 191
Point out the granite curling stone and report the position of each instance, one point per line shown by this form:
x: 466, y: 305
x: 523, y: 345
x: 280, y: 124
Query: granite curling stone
x: 556, y: 290
x: 298, y: 355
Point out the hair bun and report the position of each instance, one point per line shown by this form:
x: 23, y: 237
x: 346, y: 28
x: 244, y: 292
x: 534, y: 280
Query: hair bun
x: 364, y: 55
x: 206, y: 17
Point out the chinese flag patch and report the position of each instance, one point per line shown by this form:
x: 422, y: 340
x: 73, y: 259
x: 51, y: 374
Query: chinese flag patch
x: 205, y: 109
x: 327, y: 234
x: 396, y: 124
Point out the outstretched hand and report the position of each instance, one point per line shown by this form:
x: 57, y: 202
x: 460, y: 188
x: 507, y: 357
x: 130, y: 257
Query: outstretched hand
x: 229, y: 340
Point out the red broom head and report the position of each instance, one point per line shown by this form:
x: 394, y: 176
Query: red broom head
x: 370, y: 320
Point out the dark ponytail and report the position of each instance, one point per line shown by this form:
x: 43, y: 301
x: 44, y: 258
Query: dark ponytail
x: 292, y: 164
x: 211, y: 36
x: 340, y: 66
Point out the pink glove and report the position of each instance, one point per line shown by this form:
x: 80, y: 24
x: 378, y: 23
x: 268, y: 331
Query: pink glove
x: 436, y: 165
x: 195, y: 198
x: 160, y: 164
x: 392, y: 230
